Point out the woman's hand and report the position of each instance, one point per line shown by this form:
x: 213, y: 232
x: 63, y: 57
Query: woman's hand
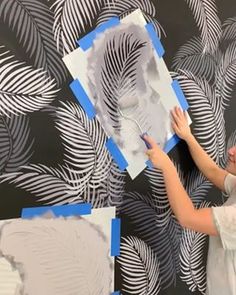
x: 158, y: 158
x: 180, y: 123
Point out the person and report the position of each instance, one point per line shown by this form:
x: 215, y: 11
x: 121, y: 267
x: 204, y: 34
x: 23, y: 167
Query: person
x: 218, y: 222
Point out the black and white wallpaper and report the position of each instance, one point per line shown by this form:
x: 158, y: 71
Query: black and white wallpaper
x: 52, y: 154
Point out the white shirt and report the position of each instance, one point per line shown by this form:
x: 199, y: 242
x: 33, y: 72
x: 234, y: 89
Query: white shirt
x: 221, y: 263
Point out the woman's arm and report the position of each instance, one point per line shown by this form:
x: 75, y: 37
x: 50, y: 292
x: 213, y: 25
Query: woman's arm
x: 200, y: 220
x: 203, y: 161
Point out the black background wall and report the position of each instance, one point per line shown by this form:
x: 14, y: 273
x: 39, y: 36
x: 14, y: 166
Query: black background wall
x: 33, y: 147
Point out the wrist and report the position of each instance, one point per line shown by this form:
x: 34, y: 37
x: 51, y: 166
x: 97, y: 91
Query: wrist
x: 189, y: 138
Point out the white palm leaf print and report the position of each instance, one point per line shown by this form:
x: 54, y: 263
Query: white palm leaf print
x: 158, y: 195
x: 50, y: 186
x: 226, y: 75
x: 197, y: 186
x: 59, y: 256
x: 84, y: 144
x: 164, y: 240
x: 139, y: 267
x: 193, y: 270
x: 32, y: 23
x: 15, y: 143
x: 23, y: 89
x: 191, y: 57
x: 208, y: 116
x: 117, y: 76
x: 229, y: 29
x: 72, y: 18
x: 111, y: 190
x: 205, y: 14
x: 122, y: 8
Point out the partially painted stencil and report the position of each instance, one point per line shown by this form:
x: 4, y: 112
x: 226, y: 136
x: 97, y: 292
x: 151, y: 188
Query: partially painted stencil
x: 60, y: 255
x: 129, y: 85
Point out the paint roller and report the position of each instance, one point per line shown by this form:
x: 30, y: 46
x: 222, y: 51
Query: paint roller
x: 129, y: 104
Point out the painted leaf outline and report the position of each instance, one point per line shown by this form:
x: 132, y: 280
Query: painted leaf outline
x: 49, y: 186
x: 192, y: 58
x: 15, y: 143
x: 207, y: 112
x: 22, y: 89
x: 205, y: 14
x: 72, y: 18
x: 122, y: 8
x: 35, y: 34
x: 84, y: 144
x: 139, y: 267
x: 164, y: 241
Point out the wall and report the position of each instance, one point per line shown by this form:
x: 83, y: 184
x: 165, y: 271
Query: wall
x: 41, y: 129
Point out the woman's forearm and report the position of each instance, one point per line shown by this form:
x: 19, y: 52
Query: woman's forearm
x: 204, y: 163
x: 179, y: 200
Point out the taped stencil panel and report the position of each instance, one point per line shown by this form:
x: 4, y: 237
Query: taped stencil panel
x: 61, y: 255
x: 127, y: 81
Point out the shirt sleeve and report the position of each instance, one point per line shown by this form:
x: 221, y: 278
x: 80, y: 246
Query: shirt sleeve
x: 230, y: 184
x: 225, y: 221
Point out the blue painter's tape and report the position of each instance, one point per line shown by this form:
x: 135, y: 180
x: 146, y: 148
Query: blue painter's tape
x: 116, y: 154
x: 155, y: 39
x: 149, y: 164
x: 65, y: 210
x: 87, y: 41
x: 116, y: 293
x: 83, y: 98
x: 173, y: 141
x: 180, y: 95
x: 115, y: 236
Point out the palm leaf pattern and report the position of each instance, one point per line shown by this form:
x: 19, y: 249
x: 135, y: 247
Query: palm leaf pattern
x: 209, y: 127
x: 111, y: 191
x: 205, y: 14
x: 226, y: 75
x: 72, y: 18
x: 84, y: 142
x: 50, y: 186
x: 15, y: 143
x: 164, y: 240
x: 229, y: 29
x: 197, y: 186
x: 23, y: 89
x: 117, y: 76
x: 35, y: 34
x: 193, y: 270
x: 139, y: 267
x: 191, y: 57
x: 122, y: 8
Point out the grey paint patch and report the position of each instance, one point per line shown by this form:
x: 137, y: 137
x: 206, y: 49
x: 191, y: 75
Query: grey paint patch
x: 58, y: 256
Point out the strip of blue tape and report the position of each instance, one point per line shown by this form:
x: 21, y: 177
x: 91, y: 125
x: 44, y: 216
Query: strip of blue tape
x: 83, y: 98
x: 180, y: 95
x: 87, y: 41
x: 116, y: 293
x: 172, y: 142
x: 149, y: 164
x: 65, y: 210
x: 116, y: 154
x: 155, y: 39
x: 115, y: 236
